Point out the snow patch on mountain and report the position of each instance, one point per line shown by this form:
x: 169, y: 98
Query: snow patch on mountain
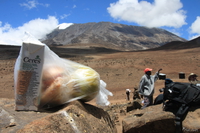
x: 64, y: 26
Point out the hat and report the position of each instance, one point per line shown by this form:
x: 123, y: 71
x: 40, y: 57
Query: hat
x: 147, y: 69
x: 193, y: 74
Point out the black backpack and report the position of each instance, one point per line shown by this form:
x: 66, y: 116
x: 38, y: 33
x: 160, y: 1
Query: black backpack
x: 177, y: 98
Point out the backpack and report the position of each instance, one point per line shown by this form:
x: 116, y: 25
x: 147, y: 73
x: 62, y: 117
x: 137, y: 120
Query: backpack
x: 177, y: 98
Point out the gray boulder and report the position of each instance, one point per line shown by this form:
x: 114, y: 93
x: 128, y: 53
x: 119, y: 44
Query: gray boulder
x: 75, y: 117
x: 11, y: 120
x: 154, y: 120
x: 149, y: 120
x: 81, y: 117
x: 191, y: 123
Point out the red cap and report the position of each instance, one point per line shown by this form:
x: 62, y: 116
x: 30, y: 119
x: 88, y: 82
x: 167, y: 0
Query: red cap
x: 147, y: 69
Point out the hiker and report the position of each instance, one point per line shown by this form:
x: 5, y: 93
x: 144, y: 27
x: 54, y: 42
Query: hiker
x: 136, y: 94
x: 146, y: 86
x: 128, y: 94
x: 193, y: 78
x: 159, y: 98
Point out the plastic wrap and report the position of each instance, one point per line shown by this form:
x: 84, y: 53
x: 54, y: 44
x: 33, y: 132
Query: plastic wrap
x: 61, y: 81
x: 64, y: 81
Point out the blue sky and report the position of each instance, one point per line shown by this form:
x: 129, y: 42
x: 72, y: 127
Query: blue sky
x: 39, y: 17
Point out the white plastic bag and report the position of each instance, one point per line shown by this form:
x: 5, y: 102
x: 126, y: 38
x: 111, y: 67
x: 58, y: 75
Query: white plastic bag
x: 62, y: 81
x: 102, y: 97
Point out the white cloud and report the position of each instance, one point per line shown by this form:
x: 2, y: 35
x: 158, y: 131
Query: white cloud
x: 29, y: 4
x: 37, y: 27
x: 64, y: 16
x: 193, y: 37
x: 194, y: 29
x: 87, y: 9
x: 33, y: 4
x: 45, y: 5
x: 157, y: 14
x: 74, y: 6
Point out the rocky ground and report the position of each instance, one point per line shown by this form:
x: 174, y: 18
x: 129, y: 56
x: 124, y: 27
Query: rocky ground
x: 120, y: 70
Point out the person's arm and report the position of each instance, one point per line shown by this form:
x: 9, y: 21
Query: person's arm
x: 156, y: 76
x: 141, y: 86
x: 159, y: 71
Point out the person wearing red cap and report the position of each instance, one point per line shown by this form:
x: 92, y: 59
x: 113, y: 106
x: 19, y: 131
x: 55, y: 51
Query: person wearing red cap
x: 146, y: 86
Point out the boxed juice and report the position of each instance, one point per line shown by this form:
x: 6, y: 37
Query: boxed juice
x: 27, y: 76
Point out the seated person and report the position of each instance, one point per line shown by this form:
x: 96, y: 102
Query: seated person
x: 193, y: 78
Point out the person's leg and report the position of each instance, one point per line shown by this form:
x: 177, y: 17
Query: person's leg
x: 146, y: 102
x: 128, y: 97
x: 150, y: 100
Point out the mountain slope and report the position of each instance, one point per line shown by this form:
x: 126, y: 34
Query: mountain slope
x: 176, y: 45
x: 117, y: 36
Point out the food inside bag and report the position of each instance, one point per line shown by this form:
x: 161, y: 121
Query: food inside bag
x: 61, y: 84
x: 61, y: 81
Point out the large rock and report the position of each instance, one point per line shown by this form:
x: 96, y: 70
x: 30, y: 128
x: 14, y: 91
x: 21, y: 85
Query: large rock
x: 154, y: 120
x: 6, y: 120
x: 81, y: 117
x: 72, y: 118
x: 149, y: 120
x: 136, y: 104
x: 11, y: 120
x: 191, y: 123
x: 75, y: 118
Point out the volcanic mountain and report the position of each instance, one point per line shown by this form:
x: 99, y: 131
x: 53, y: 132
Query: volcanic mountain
x: 111, y: 35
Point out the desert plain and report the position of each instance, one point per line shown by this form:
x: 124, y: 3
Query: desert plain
x: 119, y: 70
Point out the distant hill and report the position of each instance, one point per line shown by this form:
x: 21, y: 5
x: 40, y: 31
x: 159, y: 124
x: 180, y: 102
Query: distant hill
x: 9, y: 51
x: 111, y: 35
x: 175, y: 45
x: 79, y: 50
